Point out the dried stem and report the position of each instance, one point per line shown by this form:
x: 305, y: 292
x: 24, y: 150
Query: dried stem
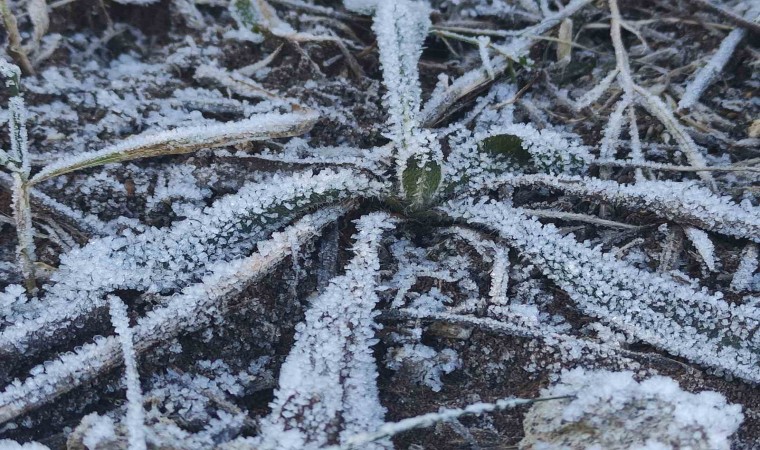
x: 15, y: 48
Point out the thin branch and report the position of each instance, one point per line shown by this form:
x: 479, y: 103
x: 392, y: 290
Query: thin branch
x: 574, y: 217
x: 749, y: 25
x: 427, y: 420
x: 650, y: 102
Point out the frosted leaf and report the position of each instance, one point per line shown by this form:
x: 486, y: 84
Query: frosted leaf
x: 185, y: 312
x: 703, y: 244
x: 339, y: 397
x: 747, y: 266
x: 684, y: 202
x: 695, y: 324
x: 163, y: 259
x: 401, y: 27
x: 185, y: 140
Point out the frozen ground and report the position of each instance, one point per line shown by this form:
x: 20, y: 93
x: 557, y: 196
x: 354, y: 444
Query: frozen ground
x: 310, y: 224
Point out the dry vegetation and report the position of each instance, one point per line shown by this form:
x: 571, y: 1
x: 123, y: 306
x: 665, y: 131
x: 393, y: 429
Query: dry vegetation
x: 374, y: 224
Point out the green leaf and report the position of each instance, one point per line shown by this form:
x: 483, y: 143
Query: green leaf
x: 507, y: 146
x: 420, y: 183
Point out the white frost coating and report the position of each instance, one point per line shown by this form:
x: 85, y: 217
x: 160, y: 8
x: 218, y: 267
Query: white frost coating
x: 706, y: 75
x: 513, y: 322
x: 327, y: 388
x: 7, y: 444
x: 425, y: 364
x: 18, y: 134
x: 483, y: 43
x: 612, y: 410
x: 135, y: 420
x: 168, y: 258
x: 672, y: 316
x: 611, y: 138
x: 185, y: 312
x: 361, y: 6
x: 747, y: 266
x: 683, y: 202
x: 550, y: 151
x: 401, y: 27
x: 704, y: 246
x: 520, y: 43
x: 185, y: 140
x: 389, y: 429
x: 597, y: 91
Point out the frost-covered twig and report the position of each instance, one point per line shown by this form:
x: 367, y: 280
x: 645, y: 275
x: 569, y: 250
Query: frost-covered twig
x: 327, y: 388
x: 185, y: 140
x: 712, y: 69
x: 675, y: 317
x: 135, y: 419
x: 653, y: 104
x: 391, y: 429
x: 189, y: 311
x: 437, y: 107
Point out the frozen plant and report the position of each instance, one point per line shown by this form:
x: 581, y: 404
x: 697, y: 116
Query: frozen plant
x: 445, y: 209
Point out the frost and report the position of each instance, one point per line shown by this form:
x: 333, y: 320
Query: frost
x: 706, y: 75
x: 339, y: 396
x: 683, y: 202
x: 687, y: 322
x: 703, y: 244
x: 163, y: 259
x: 747, y: 266
x: 185, y: 312
x: 426, y: 364
x: 7, y: 444
x: 611, y: 409
x: 135, y: 414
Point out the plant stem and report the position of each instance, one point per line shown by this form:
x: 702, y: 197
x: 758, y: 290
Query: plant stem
x: 15, y: 49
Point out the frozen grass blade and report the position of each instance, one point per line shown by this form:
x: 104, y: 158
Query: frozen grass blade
x: 17, y: 162
x: 186, y: 140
